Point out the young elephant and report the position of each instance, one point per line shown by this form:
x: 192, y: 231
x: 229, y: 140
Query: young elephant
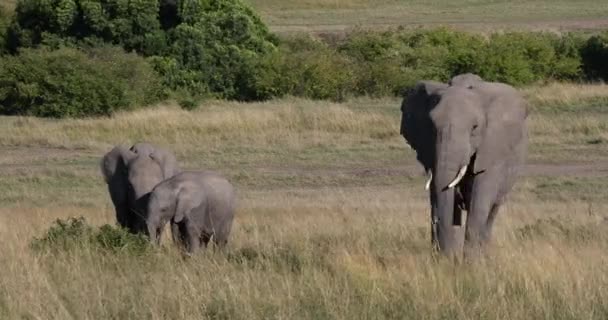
x: 131, y: 174
x: 199, y: 204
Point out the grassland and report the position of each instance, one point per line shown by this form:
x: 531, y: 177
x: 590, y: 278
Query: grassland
x: 332, y: 218
x: 479, y: 15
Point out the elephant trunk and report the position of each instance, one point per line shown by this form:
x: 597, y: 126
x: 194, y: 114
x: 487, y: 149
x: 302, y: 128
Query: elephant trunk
x: 450, y: 159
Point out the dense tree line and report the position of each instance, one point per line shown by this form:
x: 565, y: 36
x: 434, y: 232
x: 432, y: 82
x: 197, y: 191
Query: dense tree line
x: 93, y: 57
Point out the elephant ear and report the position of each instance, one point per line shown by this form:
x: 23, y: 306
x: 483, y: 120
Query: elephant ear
x: 189, y: 197
x: 167, y: 162
x: 114, y: 163
x: 504, y: 133
x: 416, y: 125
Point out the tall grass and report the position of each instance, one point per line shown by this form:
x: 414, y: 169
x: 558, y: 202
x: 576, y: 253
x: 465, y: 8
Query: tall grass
x: 321, y: 231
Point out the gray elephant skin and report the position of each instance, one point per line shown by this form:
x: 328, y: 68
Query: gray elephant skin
x: 131, y: 174
x: 199, y: 205
x: 471, y: 137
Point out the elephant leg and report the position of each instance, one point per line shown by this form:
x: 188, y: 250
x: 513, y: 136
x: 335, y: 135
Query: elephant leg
x: 434, y: 220
x: 192, y: 237
x: 123, y: 217
x: 483, y: 197
x: 178, y: 233
x: 154, y: 233
x: 205, y: 238
x: 487, y: 234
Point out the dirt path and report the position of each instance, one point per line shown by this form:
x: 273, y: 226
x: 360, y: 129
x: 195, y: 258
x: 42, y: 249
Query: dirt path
x: 14, y: 158
x: 536, y: 169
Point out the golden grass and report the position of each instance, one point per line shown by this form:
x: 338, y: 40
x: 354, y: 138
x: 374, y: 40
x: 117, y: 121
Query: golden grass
x: 357, y: 253
x: 566, y: 93
x: 317, y: 236
x: 342, y: 15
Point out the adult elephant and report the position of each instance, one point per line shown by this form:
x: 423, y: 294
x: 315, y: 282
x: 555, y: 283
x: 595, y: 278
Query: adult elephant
x: 131, y: 174
x: 471, y: 137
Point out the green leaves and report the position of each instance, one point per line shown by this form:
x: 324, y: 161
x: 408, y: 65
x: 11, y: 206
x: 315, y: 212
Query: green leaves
x: 71, y: 83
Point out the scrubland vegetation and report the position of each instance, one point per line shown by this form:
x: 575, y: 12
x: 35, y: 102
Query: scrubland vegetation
x: 332, y: 221
x: 221, y: 49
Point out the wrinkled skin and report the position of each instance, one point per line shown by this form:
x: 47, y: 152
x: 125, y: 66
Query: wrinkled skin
x: 200, y: 206
x: 472, y: 123
x: 131, y: 174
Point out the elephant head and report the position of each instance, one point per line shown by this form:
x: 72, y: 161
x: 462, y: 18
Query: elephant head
x: 131, y: 176
x: 458, y: 130
x: 172, y: 200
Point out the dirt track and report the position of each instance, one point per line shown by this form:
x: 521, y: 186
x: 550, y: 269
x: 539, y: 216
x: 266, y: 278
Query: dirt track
x: 16, y: 159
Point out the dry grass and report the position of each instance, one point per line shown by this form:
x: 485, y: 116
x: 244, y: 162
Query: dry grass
x: 340, y: 15
x: 326, y: 229
x: 567, y: 94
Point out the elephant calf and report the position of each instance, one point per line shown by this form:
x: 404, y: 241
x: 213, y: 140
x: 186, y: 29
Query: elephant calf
x: 131, y: 174
x: 200, y: 206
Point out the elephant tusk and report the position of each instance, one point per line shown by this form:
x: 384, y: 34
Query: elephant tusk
x: 459, y: 177
x: 427, y: 185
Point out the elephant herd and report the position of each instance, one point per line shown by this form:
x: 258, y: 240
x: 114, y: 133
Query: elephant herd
x: 470, y: 136
x: 148, y: 190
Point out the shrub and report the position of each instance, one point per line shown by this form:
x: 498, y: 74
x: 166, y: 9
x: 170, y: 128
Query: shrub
x: 303, y: 67
x: 76, y: 234
x: 4, y: 24
x: 594, y: 54
x: 318, y: 74
x: 204, y: 47
x: 132, y: 24
x: 64, y: 235
x: 214, y: 47
x: 388, y: 62
x: 71, y: 83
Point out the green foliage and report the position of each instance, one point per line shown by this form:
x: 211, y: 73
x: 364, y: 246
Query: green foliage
x: 302, y: 67
x: 215, y: 47
x: 119, y: 240
x: 523, y: 58
x: 71, y: 83
x: 76, y: 234
x: 222, y: 49
x: 201, y: 47
x: 64, y: 235
x: 132, y: 24
x: 4, y: 24
x: 390, y: 61
x: 595, y: 57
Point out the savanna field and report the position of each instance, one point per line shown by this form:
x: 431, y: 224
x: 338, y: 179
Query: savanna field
x: 332, y: 219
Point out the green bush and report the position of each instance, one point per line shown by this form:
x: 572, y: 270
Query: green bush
x: 71, y: 83
x: 595, y: 57
x: 302, y: 67
x: 522, y: 58
x: 4, y: 24
x: 214, y: 48
x: 64, y: 235
x: 202, y: 47
x: 76, y: 234
x: 388, y: 62
x: 222, y: 49
x: 132, y: 24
